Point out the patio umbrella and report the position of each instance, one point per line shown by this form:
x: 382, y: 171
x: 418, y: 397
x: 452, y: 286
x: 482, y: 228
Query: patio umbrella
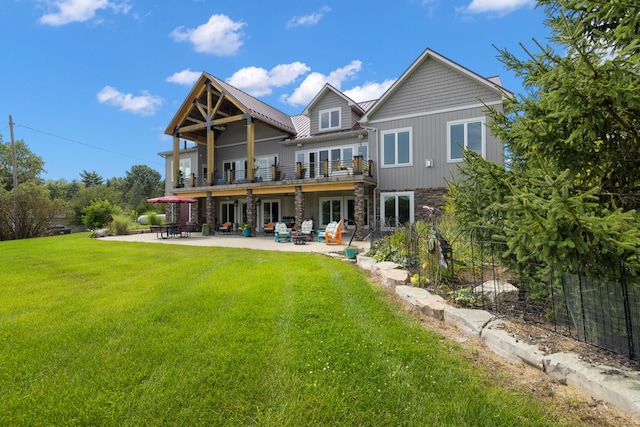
x: 172, y: 199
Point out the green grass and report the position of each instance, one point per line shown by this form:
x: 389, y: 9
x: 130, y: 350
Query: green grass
x: 109, y: 333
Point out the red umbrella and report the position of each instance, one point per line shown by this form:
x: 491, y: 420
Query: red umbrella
x: 172, y: 199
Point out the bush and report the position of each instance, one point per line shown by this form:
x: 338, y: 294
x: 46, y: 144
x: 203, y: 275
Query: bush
x: 99, y: 213
x: 120, y: 224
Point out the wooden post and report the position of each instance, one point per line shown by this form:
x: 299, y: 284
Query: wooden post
x: 251, y: 142
x: 210, y: 137
x: 176, y: 159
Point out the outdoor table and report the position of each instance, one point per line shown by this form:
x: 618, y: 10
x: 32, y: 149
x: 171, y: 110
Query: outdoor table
x: 299, y: 239
x: 165, y: 231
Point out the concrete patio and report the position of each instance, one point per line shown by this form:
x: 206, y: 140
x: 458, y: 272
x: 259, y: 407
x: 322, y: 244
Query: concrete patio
x: 265, y: 243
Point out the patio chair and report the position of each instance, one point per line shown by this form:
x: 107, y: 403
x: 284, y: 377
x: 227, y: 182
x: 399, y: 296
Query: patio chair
x: 281, y: 232
x: 226, y: 227
x: 268, y: 228
x: 306, y: 229
x: 333, y: 233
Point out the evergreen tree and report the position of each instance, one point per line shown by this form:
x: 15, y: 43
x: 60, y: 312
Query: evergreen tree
x: 570, y: 190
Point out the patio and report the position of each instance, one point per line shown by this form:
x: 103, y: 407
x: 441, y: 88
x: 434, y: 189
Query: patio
x: 265, y: 243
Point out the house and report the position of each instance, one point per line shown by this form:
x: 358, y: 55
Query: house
x: 381, y: 160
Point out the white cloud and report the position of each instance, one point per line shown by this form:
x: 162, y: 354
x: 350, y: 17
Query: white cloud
x: 501, y: 7
x: 219, y: 36
x: 308, y: 20
x: 259, y: 82
x: 184, y: 77
x: 314, y: 82
x: 369, y: 91
x: 67, y: 11
x: 143, y: 105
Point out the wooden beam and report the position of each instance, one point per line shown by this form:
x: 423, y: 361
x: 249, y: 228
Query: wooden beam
x: 273, y: 190
x: 186, y: 111
x: 339, y: 186
x: 229, y: 119
x: 201, y: 109
x: 218, y: 122
x: 215, y: 109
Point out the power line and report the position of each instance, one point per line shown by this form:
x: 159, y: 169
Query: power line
x: 85, y: 144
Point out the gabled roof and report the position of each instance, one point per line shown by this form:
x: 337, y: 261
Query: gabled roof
x: 328, y: 88
x: 234, y: 102
x: 302, y: 123
x: 493, y: 83
x: 257, y: 108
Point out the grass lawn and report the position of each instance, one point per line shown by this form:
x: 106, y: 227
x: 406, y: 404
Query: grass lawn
x: 111, y: 333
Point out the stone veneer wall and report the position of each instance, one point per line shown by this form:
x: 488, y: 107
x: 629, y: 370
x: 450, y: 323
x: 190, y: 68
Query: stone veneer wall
x: 433, y: 197
x: 359, y: 210
x: 299, y: 205
x: 210, y: 211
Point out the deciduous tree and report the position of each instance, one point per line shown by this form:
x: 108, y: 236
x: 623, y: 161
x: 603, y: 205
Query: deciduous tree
x: 28, y: 164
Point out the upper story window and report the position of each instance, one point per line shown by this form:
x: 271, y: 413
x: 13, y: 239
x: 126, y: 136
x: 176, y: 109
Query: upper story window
x: 330, y: 119
x: 469, y: 134
x: 397, y: 146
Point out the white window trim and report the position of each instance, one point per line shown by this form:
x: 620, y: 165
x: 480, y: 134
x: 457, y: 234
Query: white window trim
x: 329, y: 111
x: 344, y: 208
x: 329, y: 198
x: 396, y: 132
x: 482, y: 120
x: 397, y: 194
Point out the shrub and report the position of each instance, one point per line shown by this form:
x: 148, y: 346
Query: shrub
x: 99, y: 213
x: 120, y: 224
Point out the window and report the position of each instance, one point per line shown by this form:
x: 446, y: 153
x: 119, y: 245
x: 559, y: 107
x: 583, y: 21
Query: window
x: 330, y: 210
x: 396, y: 209
x: 469, y: 134
x: 397, y: 148
x: 185, y: 167
x: 227, y: 212
x: 330, y: 119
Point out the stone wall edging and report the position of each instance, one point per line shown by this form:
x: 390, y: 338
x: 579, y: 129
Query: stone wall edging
x: 621, y: 389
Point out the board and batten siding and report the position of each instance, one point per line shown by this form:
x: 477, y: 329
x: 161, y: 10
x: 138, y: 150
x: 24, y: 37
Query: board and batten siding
x: 435, y: 86
x: 429, y: 133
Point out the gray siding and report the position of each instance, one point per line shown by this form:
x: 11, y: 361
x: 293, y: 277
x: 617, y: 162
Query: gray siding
x: 429, y: 142
x: 434, y: 86
x: 330, y: 100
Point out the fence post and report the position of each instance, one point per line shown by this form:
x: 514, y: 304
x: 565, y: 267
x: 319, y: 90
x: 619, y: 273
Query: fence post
x: 627, y: 311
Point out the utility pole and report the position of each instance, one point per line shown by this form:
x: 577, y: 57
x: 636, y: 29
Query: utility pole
x: 15, y: 181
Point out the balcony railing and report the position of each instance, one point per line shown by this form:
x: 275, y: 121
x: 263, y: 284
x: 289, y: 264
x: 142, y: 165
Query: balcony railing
x: 316, y: 170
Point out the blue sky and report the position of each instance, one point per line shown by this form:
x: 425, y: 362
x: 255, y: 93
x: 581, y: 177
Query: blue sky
x: 92, y: 84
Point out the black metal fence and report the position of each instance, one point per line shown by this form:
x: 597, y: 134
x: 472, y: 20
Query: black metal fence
x: 587, y: 306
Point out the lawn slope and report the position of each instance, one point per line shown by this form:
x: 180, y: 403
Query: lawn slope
x: 111, y: 333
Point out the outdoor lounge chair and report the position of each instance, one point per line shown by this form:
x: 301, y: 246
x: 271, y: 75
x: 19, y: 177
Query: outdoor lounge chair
x: 268, y: 228
x: 281, y: 232
x: 306, y: 229
x: 333, y: 233
x: 226, y: 227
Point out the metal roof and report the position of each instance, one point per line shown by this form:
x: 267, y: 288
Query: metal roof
x: 255, y: 107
